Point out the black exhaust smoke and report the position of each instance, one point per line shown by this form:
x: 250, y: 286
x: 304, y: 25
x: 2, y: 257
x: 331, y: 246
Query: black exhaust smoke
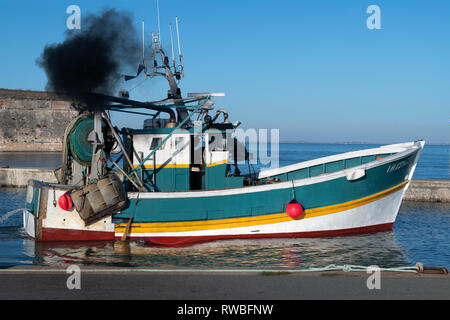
x: 92, y: 59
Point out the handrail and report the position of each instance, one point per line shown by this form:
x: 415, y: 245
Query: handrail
x: 130, y: 104
x: 159, y: 106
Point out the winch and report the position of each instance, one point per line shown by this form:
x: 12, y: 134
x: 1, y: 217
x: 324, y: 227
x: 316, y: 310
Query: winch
x: 97, y: 191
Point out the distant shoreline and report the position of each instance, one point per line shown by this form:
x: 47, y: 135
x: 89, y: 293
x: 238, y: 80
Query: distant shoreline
x: 281, y: 142
x: 356, y: 143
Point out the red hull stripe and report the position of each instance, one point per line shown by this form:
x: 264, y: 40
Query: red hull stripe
x: 175, y: 241
x: 55, y: 234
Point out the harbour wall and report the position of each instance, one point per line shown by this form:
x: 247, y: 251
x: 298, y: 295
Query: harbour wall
x: 428, y: 191
x: 33, y: 120
x: 419, y: 190
x: 18, y: 177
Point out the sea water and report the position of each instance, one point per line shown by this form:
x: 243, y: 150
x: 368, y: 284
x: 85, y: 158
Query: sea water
x: 420, y: 233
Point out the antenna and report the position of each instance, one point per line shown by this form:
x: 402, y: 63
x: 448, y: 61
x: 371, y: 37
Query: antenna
x: 179, y: 48
x: 178, y: 36
x: 159, y: 25
x: 173, y: 55
x: 143, y: 65
x: 153, y: 52
x: 143, y: 40
x: 143, y: 49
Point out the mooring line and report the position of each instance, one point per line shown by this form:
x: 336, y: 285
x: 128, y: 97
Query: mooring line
x: 332, y: 267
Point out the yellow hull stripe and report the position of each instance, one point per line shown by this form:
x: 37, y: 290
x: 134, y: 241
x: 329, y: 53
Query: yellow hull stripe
x: 216, y: 163
x: 150, y: 166
x: 252, y: 221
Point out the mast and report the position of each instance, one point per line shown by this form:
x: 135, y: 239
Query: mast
x: 164, y: 69
x: 174, y: 92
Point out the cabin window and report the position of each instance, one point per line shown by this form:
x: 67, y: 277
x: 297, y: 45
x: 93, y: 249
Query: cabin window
x: 155, y: 143
x: 218, y: 142
x: 223, y: 143
x: 179, y: 142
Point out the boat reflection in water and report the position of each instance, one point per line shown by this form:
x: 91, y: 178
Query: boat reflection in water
x: 380, y: 249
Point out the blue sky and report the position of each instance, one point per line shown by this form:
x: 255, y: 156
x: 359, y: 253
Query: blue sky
x: 309, y: 68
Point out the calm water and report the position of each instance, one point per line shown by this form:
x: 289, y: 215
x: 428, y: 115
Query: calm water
x: 420, y: 233
x: 47, y: 160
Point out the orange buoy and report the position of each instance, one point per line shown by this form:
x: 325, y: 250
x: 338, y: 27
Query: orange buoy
x: 65, y: 202
x: 294, y: 209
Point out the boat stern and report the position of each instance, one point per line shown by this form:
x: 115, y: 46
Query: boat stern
x: 31, y: 210
x: 45, y: 220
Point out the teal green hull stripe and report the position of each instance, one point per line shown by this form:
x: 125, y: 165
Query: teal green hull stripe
x: 321, y: 194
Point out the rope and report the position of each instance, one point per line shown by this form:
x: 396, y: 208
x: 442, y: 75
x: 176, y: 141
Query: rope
x: 293, y: 190
x: 350, y: 268
x: 137, y: 85
x: 419, y: 268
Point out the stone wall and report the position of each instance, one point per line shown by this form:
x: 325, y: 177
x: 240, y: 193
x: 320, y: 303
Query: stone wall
x: 33, y: 120
x: 18, y: 177
x: 428, y: 191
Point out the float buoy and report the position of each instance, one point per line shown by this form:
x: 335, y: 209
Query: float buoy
x: 294, y: 209
x: 65, y: 202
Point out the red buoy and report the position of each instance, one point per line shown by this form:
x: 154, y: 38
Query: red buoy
x: 294, y: 209
x: 65, y: 202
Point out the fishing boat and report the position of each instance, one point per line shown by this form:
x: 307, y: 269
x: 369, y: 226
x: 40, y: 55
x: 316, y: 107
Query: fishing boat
x: 177, y: 180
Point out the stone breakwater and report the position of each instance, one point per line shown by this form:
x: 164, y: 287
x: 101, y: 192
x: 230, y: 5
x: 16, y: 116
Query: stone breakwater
x: 33, y: 120
x: 428, y: 191
x: 18, y: 177
x: 419, y: 190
